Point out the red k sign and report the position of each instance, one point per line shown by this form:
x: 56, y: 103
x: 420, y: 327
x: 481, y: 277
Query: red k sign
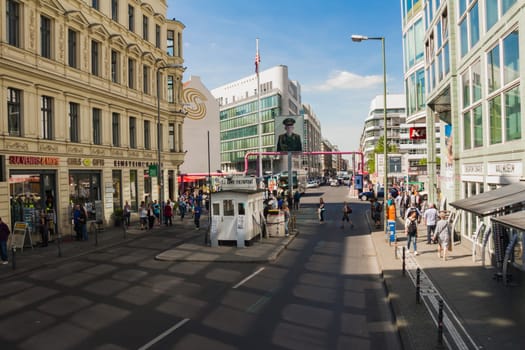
x: 418, y: 133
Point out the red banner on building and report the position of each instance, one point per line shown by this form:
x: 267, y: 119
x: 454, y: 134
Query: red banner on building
x: 418, y: 133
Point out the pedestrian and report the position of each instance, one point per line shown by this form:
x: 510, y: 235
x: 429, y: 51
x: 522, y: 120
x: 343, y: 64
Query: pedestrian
x: 182, y: 208
x: 4, y: 235
x: 442, y: 235
x: 412, y: 209
x: 143, y: 215
x: 168, y: 213
x: 321, y: 209
x: 289, y: 199
x: 156, y: 211
x: 80, y: 222
x: 430, y: 217
x: 151, y: 216
x: 197, y: 215
x: 391, y: 209
x: 44, y: 228
x: 376, y: 209
x: 127, y: 214
x: 286, y: 212
x: 296, y: 200
x: 347, y: 210
x: 411, y: 230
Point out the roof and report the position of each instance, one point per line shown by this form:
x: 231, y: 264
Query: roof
x: 514, y: 220
x: 494, y: 201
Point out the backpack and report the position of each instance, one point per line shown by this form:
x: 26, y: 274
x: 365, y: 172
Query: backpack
x: 412, y: 227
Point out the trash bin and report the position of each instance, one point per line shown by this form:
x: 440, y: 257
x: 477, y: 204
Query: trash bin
x: 275, y: 223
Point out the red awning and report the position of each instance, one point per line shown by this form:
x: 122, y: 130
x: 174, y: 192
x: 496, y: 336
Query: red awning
x: 190, y: 178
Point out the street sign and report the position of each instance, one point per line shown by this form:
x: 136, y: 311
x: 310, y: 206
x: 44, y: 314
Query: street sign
x: 153, y: 170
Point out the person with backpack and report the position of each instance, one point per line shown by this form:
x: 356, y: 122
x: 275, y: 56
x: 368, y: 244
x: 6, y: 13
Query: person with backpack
x: 347, y: 210
x: 411, y: 230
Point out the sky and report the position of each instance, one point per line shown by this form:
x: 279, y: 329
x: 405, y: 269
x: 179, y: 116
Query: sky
x: 338, y: 77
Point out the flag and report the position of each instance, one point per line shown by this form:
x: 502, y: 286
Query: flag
x: 257, y: 61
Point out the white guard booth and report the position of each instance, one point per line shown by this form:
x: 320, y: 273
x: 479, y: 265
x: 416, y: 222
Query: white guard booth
x: 236, y: 211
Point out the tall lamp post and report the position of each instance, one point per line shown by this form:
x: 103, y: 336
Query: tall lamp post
x: 159, y: 168
x: 359, y: 38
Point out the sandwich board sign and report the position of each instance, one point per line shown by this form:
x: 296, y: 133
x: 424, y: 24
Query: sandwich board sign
x: 20, y: 235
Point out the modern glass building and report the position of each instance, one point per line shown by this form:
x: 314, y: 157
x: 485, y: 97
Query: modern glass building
x: 241, y: 108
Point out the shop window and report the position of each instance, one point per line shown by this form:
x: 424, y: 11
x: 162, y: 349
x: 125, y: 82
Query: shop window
x: 84, y: 188
x: 147, y: 186
x: 117, y: 189
x: 133, y: 190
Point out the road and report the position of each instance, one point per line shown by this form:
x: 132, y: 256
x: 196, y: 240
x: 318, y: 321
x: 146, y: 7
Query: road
x: 324, y: 292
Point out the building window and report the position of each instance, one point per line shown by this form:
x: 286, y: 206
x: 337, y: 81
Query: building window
x: 171, y: 43
x: 131, y: 18
x: 114, y: 10
x: 117, y: 189
x: 115, y: 129
x: 13, y: 22
x: 495, y: 9
x: 74, y: 122
x: 131, y: 73
x: 95, y: 4
x: 46, y: 120
x: 145, y: 27
x: 95, y: 58
x: 147, y: 135
x: 145, y: 79
x: 115, y: 66
x: 14, y: 110
x: 503, y: 87
x: 171, y: 137
x: 469, y: 28
x: 132, y: 132
x: 97, y: 127
x: 45, y: 36
x: 171, y: 96
x: 72, y: 39
x: 157, y: 36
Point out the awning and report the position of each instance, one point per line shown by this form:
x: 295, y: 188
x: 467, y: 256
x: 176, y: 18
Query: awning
x: 190, y: 178
x: 494, y: 201
x: 514, y: 220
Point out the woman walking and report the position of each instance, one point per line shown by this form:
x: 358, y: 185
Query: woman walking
x: 443, y: 235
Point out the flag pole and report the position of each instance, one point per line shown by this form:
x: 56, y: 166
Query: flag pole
x: 259, y: 121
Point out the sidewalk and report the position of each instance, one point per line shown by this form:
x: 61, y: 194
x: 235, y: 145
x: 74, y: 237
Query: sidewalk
x: 191, y: 247
x: 479, y: 312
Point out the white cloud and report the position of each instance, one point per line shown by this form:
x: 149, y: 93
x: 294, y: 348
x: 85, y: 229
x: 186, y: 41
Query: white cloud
x: 346, y: 80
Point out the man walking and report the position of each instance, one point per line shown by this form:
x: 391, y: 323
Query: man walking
x: 430, y: 217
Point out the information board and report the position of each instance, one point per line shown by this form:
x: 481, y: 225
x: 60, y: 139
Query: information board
x: 20, y: 235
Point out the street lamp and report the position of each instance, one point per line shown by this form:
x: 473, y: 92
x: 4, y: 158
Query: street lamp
x: 159, y: 170
x: 359, y: 38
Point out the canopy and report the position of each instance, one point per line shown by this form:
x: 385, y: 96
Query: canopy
x: 494, y: 201
x: 190, y: 178
x: 514, y: 220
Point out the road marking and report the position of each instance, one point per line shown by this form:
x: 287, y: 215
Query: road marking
x: 163, y: 335
x: 247, y: 278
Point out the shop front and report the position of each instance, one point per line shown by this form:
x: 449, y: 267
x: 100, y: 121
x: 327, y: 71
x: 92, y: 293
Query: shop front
x: 33, y: 193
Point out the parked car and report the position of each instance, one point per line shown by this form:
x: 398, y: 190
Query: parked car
x: 334, y: 183
x: 368, y: 195
x: 312, y: 184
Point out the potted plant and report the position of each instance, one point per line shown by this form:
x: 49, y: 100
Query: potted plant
x: 118, y: 216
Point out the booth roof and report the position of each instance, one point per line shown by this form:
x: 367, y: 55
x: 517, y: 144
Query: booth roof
x: 514, y: 220
x: 494, y: 201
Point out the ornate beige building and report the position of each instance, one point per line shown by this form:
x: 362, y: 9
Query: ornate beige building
x: 81, y: 110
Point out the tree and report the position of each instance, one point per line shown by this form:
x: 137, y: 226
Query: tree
x: 379, y: 149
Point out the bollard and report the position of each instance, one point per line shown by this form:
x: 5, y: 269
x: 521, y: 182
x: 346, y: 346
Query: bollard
x: 404, y: 263
x: 395, y: 250
x: 96, y: 237
x: 440, y: 323
x: 13, y: 258
x: 418, y: 285
x: 59, y: 239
